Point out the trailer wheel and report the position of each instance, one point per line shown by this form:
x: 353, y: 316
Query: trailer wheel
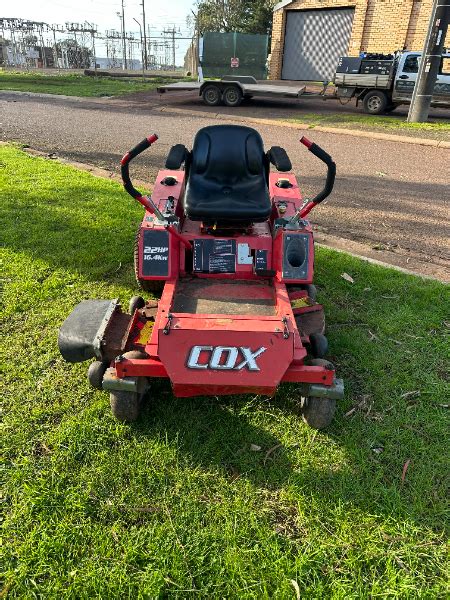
x: 211, y: 95
x: 96, y: 372
x: 375, y: 102
x: 147, y: 285
x: 232, y: 96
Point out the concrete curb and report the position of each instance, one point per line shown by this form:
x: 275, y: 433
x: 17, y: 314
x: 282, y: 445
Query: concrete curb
x: 375, y: 135
x: 53, y: 96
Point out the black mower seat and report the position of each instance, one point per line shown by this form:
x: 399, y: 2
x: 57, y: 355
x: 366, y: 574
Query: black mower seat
x: 228, y: 176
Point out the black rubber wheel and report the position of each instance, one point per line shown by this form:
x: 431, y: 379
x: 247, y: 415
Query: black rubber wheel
x: 125, y: 406
x: 153, y: 286
x: 319, y: 345
x: 135, y: 304
x: 212, y: 95
x: 318, y: 413
x: 95, y: 373
x: 375, y: 102
x: 232, y: 96
x: 309, y: 288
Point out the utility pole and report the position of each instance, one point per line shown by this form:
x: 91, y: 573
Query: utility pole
x: 197, y: 36
x: 124, y: 44
x: 142, y: 48
x: 145, y: 36
x: 172, y: 32
x: 429, y: 62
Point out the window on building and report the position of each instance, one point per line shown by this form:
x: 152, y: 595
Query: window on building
x: 411, y: 64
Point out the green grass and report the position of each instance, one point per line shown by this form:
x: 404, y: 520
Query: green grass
x: 177, y: 505
x: 76, y: 85
x: 369, y: 121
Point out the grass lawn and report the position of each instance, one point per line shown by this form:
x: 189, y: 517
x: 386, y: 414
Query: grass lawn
x: 177, y: 505
x: 390, y: 123
x: 76, y: 85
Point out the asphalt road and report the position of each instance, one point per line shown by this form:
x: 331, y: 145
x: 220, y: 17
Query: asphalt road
x: 388, y: 195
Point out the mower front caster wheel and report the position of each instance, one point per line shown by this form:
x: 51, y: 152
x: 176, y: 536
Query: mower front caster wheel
x: 96, y: 372
x: 125, y: 406
x: 318, y: 412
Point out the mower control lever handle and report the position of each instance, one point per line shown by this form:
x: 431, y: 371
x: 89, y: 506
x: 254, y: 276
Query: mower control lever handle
x: 331, y: 175
x: 127, y: 184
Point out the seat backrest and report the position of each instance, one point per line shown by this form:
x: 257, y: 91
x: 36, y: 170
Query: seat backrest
x: 228, y: 176
x: 228, y: 154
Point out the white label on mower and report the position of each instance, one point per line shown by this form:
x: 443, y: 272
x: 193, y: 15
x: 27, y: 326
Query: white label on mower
x: 156, y: 252
x: 224, y: 358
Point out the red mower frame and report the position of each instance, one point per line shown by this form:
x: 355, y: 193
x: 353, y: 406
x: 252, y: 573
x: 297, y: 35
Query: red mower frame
x: 237, y: 312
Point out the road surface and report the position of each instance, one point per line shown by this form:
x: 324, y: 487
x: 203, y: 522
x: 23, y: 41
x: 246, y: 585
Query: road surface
x: 388, y: 196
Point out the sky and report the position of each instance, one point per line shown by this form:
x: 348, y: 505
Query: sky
x: 160, y: 14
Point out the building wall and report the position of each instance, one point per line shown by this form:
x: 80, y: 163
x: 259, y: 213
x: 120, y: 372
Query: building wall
x: 378, y: 26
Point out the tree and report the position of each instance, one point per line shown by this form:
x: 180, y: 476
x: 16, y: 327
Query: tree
x: 245, y: 16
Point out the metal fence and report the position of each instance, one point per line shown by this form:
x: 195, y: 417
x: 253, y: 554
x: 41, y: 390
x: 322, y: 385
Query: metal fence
x: 234, y: 54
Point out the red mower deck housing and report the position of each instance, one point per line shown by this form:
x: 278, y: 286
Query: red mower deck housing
x: 237, y: 312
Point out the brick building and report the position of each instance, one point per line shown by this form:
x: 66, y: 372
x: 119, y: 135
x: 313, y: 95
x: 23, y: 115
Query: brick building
x: 308, y: 36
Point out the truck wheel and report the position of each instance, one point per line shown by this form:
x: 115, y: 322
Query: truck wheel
x: 147, y: 285
x: 375, y: 102
x: 211, y: 95
x: 232, y: 96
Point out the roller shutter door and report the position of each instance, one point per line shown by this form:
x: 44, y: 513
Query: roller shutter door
x: 314, y: 41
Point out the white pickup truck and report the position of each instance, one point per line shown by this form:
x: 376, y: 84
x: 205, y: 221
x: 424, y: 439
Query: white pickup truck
x: 383, y: 84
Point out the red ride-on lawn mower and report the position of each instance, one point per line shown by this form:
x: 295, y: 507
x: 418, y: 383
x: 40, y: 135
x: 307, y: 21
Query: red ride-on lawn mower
x: 226, y: 242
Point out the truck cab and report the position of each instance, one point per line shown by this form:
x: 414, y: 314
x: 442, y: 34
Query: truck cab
x: 383, y: 82
x: 406, y: 77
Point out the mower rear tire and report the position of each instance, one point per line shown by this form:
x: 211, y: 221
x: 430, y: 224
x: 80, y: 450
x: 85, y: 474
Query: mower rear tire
x: 153, y: 285
x: 96, y: 372
x: 318, y: 413
x: 135, y: 304
x: 232, y: 96
x: 319, y: 345
x: 125, y: 406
